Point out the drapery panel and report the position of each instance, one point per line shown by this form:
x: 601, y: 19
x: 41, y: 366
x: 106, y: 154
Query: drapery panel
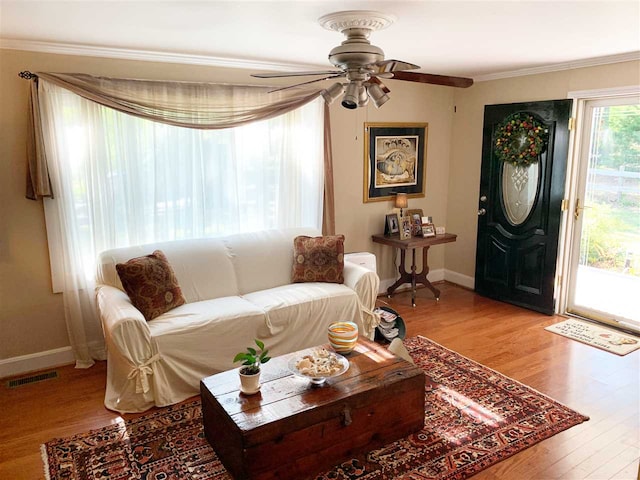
x: 206, y: 106
x: 329, y: 209
x: 50, y: 147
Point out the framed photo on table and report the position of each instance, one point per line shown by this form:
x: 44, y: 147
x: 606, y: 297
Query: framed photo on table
x: 428, y: 230
x: 405, y: 228
x: 395, y: 157
x: 416, y: 225
x: 413, y: 211
x: 392, y: 225
x: 416, y: 221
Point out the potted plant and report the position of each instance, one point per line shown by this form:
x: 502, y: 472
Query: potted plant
x: 250, y: 372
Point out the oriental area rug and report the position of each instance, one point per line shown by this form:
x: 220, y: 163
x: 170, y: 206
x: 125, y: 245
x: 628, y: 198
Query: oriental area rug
x: 474, y: 418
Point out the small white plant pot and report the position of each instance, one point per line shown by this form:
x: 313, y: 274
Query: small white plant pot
x: 249, y: 384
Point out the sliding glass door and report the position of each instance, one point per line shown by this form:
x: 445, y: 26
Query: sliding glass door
x: 605, y: 259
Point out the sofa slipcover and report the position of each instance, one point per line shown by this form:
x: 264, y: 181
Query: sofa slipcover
x: 237, y: 288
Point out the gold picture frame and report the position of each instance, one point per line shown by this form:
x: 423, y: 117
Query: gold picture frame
x: 405, y: 228
x: 395, y: 160
x: 428, y: 230
x: 416, y: 220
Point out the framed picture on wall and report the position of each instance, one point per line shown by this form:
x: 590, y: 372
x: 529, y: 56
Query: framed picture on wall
x: 395, y: 157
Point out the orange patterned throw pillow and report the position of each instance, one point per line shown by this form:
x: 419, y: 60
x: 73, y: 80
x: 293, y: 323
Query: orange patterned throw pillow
x: 151, y: 284
x: 318, y: 259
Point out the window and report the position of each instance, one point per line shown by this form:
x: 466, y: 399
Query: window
x: 120, y: 180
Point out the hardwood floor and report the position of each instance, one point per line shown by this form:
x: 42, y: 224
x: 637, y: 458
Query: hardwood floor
x: 508, y: 339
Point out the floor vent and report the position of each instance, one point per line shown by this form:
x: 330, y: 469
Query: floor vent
x: 18, y: 382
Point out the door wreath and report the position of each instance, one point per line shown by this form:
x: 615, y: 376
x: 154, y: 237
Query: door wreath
x: 520, y: 139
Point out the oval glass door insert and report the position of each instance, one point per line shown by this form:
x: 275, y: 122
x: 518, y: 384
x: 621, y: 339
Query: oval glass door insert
x: 519, y: 190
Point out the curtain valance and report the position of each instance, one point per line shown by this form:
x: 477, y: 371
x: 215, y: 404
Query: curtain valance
x: 183, y: 104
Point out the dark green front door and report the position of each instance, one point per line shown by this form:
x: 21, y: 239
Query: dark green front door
x: 520, y: 206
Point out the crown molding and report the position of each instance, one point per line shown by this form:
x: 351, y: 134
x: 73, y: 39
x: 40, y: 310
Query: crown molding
x: 605, y: 92
x: 556, y: 67
x: 208, y: 60
x: 149, y: 55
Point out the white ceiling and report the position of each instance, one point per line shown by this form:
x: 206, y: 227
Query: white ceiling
x: 472, y: 38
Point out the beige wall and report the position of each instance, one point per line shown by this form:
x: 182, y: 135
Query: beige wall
x: 357, y: 220
x: 31, y: 317
x: 466, y: 148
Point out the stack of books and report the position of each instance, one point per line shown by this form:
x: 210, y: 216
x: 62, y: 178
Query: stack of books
x: 387, y: 327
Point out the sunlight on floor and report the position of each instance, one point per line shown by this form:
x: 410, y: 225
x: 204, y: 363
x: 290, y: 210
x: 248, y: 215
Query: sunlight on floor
x: 377, y: 356
x: 469, y: 407
x: 609, y: 292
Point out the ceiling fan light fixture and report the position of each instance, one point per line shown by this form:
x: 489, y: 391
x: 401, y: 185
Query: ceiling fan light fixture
x: 333, y: 92
x: 378, y: 95
x: 363, y: 97
x: 351, y: 96
x: 362, y: 63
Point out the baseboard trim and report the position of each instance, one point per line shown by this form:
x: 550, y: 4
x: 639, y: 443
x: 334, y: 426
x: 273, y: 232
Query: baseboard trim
x: 460, y: 279
x: 36, y: 361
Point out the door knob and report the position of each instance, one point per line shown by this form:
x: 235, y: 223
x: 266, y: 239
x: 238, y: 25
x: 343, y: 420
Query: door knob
x: 483, y: 198
x: 481, y: 212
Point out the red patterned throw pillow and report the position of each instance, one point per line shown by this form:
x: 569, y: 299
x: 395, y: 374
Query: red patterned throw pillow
x: 151, y: 284
x: 318, y: 259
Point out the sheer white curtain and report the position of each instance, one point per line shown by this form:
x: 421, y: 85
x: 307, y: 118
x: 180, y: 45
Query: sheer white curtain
x: 121, y: 180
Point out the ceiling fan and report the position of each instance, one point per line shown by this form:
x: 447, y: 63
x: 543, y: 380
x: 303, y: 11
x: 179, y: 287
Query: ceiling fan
x: 362, y: 63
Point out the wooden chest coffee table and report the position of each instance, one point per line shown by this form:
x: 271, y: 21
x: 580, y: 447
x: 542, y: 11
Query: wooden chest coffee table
x: 294, y: 430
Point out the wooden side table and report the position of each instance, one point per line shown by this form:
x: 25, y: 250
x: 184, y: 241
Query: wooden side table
x: 412, y: 243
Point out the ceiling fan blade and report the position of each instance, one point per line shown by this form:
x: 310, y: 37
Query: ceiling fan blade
x: 375, y: 79
x: 341, y: 74
x: 385, y: 66
x: 292, y: 74
x: 434, y: 79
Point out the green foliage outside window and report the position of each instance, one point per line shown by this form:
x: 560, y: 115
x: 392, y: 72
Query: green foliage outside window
x: 611, y: 230
x: 606, y: 241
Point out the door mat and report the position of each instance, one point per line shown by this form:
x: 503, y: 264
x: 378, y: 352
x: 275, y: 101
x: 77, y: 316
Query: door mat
x: 596, y: 336
x: 474, y: 418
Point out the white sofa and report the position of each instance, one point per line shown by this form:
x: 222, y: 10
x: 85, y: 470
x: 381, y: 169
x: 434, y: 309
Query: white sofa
x: 237, y: 288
